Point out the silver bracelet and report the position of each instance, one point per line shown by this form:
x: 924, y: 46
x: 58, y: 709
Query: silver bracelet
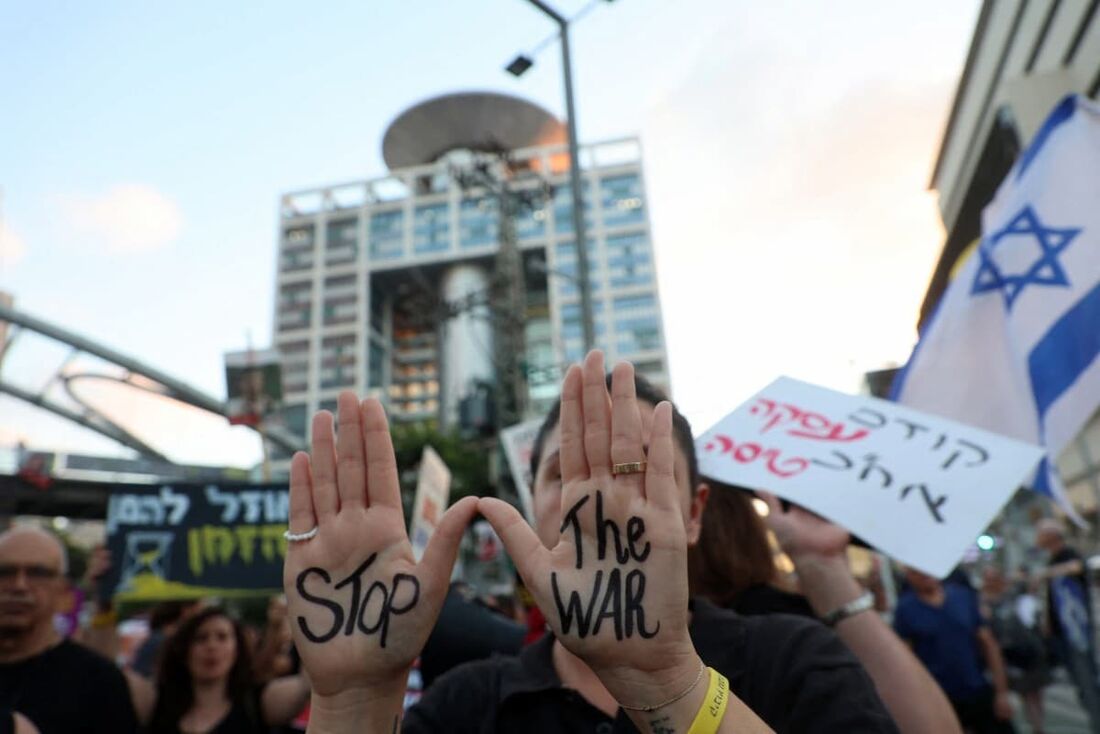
x: 674, y: 699
x: 861, y: 603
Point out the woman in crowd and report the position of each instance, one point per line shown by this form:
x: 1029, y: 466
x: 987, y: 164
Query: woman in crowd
x: 732, y: 564
x: 205, y: 683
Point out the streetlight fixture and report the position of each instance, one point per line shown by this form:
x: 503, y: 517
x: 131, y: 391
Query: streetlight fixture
x: 517, y: 67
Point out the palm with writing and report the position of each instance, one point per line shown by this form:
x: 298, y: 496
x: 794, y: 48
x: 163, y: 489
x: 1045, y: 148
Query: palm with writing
x: 614, y: 588
x: 360, y: 606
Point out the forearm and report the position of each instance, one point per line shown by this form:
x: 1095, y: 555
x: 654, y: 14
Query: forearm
x: 993, y: 660
x: 357, y: 711
x: 284, y: 697
x: 909, y: 692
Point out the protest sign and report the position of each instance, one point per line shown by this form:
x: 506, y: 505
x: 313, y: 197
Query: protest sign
x: 185, y: 541
x: 518, y: 442
x: 433, y: 492
x: 254, y: 383
x: 918, y: 487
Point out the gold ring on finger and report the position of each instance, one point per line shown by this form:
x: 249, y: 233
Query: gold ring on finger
x: 630, y: 467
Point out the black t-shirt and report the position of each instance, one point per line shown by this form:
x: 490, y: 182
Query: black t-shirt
x: 243, y: 718
x: 794, y: 673
x: 764, y: 599
x: 69, y: 689
x: 467, y: 631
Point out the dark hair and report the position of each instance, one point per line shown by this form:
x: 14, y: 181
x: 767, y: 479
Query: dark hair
x: 175, y: 690
x: 647, y: 392
x: 165, y: 613
x: 733, y: 551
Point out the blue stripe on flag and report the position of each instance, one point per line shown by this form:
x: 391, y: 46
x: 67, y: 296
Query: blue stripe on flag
x: 1061, y: 114
x: 1065, y: 351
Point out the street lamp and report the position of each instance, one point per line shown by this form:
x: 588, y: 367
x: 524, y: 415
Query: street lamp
x: 517, y: 67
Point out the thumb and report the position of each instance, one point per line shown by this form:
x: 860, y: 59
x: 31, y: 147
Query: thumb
x: 531, y: 557
x: 439, y: 555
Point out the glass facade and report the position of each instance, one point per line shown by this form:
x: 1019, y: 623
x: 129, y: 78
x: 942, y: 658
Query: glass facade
x: 478, y: 222
x: 387, y: 234
x: 621, y: 200
x: 341, y: 242
x: 431, y: 228
x: 297, y: 250
x: 562, y: 200
x: 629, y: 262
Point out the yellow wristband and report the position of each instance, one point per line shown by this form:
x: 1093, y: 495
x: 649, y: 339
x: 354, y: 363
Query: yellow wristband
x: 714, y: 705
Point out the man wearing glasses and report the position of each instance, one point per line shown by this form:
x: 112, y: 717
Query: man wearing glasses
x: 57, y: 684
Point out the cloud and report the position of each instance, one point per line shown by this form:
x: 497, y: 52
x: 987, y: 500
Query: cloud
x: 12, y: 247
x: 127, y: 218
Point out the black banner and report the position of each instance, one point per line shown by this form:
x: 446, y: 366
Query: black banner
x: 191, y: 540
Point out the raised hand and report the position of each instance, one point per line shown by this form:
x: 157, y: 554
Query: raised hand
x: 801, y: 533
x: 614, y: 588
x: 360, y: 607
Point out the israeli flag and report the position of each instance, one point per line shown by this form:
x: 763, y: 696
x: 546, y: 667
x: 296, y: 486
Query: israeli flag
x: 1013, y: 344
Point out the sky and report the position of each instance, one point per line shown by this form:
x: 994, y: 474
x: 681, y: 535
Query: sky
x: 787, y: 147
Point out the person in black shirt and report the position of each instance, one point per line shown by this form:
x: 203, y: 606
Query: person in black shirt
x: 467, y: 631
x: 62, y: 687
x: 615, y: 508
x: 1069, y: 606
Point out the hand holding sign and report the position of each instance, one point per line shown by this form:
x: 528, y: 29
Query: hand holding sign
x: 614, y: 588
x: 360, y: 607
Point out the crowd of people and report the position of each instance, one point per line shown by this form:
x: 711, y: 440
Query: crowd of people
x: 654, y: 604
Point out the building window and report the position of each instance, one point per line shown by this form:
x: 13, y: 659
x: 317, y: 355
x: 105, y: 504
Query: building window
x: 387, y: 235
x: 341, y: 242
x: 531, y: 223
x: 621, y: 200
x: 642, y: 334
x: 341, y: 300
x: 297, y: 250
x: 295, y: 309
x: 629, y: 262
x: 563, y: 208
x: 478, y: 222
x: 641, y: 302
x: 431, y: 228
x: 338, y: 361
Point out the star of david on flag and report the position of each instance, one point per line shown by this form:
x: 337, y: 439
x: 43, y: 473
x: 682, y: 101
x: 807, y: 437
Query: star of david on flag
x: 1014, y: 344
x: 1024, y: 231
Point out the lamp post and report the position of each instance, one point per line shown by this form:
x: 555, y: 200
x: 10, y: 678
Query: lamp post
x: 518, y: 66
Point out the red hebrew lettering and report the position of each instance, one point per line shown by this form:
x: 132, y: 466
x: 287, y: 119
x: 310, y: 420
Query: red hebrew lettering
x: 747, y: 452
x: 806, y: 424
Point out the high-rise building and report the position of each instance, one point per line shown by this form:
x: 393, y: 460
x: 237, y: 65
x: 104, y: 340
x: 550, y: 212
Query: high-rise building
x: 387, y: 286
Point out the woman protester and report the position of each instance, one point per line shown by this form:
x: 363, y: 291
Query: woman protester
x: 205, y: 683
x: 733, y: 565
x: 616, y: 503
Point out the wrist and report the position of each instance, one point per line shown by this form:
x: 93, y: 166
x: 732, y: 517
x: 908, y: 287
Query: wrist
x: 827, y: 582
x: 367, y: 709
x: 643, y: 689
